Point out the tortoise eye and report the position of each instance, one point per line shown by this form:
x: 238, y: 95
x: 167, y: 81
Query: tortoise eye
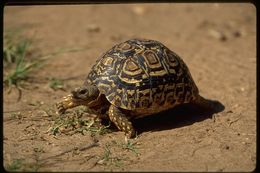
x: 83, y: 91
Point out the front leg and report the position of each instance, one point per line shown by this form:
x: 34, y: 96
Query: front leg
x: 118, y: 117
x: 65, y: 104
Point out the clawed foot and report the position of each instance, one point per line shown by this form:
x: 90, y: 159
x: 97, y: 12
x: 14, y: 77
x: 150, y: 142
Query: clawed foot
x: 65, y: 104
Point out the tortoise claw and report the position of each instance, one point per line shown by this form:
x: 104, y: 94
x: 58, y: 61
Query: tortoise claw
x: 60, y: 108
x: 65, y: 104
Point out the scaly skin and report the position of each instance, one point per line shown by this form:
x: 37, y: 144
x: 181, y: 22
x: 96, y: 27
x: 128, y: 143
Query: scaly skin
x: 121, y: 121
x: 65, y: 104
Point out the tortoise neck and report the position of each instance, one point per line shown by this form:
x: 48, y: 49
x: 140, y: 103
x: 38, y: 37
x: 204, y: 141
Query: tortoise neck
x: 100, y: 105
x: 98, y: 102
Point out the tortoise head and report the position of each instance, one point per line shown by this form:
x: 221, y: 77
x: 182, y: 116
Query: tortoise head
x: 85, y: 95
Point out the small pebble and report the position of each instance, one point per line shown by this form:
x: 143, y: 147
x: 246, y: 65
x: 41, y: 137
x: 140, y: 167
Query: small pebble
x: 101, y: 162
x: 138, y: 10
x: 42, y: 113
x: 218, y: 35
x: 237, y: 34
x: 93, y: 28
x: 236, y: 105
x: 116, y: 37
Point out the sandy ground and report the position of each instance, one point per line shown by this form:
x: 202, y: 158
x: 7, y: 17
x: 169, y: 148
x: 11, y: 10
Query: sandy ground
x: 217, y: 42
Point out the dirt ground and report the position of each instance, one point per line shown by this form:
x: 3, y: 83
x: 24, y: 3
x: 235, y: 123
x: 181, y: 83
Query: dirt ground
x: 217, y: 42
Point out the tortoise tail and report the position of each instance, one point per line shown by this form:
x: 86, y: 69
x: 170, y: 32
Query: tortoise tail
x: 204, y: 103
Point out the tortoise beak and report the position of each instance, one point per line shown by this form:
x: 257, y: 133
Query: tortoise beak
x: 74, y: 93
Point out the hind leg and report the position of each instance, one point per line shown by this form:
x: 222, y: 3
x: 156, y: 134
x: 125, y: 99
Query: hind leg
x: 121, y: 121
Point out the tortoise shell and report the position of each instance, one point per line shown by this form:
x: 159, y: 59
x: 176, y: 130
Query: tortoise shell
x: 141, y: 74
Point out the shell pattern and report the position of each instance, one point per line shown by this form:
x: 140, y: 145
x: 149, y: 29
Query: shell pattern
x: 141, y: 74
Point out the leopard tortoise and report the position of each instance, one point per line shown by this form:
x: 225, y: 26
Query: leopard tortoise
x: 133, y: 79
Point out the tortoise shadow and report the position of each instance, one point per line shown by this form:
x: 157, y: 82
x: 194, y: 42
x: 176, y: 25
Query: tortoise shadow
x: 180, y: 116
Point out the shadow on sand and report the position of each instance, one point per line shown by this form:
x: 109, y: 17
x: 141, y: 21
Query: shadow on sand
x: 179, y: 116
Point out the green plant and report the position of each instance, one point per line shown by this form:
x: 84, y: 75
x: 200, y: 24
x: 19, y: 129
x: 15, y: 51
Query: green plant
x: 13, y: 46
x: 15, y: 115
x: 19, y: 61
x: 128, y: 146
x: 107, y: 154
x: 78, y: 120
x: 55, y: 83
x: 109, y: 160
x: 16, y: 48
x: 14, y: 165
x: 20, y: 72
x: 21, y: 165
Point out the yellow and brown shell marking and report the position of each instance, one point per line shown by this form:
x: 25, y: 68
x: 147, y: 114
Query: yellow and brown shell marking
x: 142, y: 75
